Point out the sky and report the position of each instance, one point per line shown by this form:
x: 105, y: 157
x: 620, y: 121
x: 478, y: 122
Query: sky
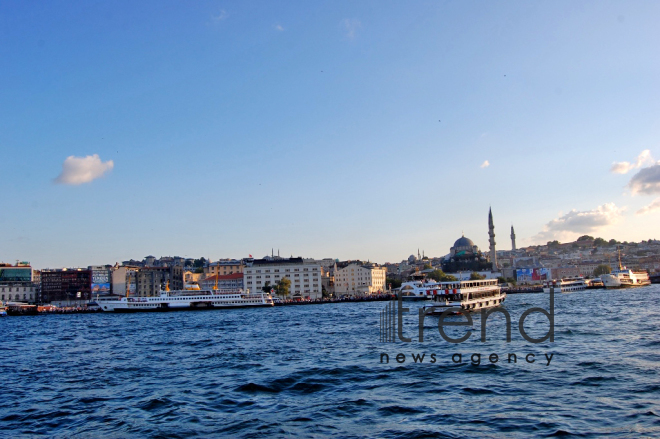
x: 351, y: 130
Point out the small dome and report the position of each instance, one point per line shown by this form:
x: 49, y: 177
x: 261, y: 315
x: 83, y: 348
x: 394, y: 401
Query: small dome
x: 463, y: 242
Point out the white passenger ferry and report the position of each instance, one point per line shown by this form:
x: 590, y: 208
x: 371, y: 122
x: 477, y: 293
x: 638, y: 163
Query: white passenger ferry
x: 419, y: 290
x: 191, y: 298
x: 470, y: 295
x: 565, y: 285
x: 625, y: 278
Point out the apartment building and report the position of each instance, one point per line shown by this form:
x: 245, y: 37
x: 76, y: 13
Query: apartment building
x: 358, y: 278
x: 305, y: 277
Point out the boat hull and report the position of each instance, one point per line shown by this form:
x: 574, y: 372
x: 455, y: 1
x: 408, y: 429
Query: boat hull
x: 181, y: 308
x: 613, y: 282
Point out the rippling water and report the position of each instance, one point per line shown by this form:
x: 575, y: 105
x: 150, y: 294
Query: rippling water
x: 315, y: 371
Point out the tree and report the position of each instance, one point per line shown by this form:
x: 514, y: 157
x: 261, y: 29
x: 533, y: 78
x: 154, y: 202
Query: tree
x: 199, y: 270
x: 599, y: 242
x: 201, y: 262
x: 553, y: 243
x: 476, y: 276
x: 585, y: 238
x: 501, y: 279
x: 267, y: 287
x: 613, y: 242
x: 396, y: 283
x: 602, y: 269
x: 427, y: 266
x: 283, y: 287
x: 440, y: 276
x: 511, y: 281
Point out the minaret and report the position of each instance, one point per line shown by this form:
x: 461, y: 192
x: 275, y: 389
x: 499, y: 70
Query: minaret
x: 513, y: 239
x: 491, y: 239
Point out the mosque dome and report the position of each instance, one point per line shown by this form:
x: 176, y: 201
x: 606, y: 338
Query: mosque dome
x: 463, y: 242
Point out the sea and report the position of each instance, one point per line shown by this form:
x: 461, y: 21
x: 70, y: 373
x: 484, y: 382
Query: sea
x: 322, y: 371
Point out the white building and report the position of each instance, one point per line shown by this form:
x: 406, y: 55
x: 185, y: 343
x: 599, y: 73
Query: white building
x: 357, y: 278
x: 122, y: 278
x: 305, y: 277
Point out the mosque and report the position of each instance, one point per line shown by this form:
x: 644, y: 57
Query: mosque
x: 466, y: 256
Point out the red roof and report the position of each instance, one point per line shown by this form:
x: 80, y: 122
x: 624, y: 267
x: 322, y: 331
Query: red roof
x: 225, y: 277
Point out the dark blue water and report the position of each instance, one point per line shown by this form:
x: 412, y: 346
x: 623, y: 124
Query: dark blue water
x: 315, y: 371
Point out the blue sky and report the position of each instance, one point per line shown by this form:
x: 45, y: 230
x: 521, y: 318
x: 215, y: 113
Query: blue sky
x: 324, y: 129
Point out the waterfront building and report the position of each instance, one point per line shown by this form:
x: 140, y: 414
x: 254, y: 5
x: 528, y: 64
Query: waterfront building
x: 16, y: 283
x: 223, y: 267
x: 359, y: 278
x: 124, y: 277
x: 101, y: 280
x: 328, y: 280
x: 151, y: 280
x: 223, y: 281
x: 305, y: 278
x: 66, y: 286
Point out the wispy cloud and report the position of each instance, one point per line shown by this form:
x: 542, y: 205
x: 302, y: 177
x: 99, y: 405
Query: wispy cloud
x: 655, y: 205
x: 485, y: 164
x: 580, y: 222
x: 624, y: 167
x: 222, y: 15
x: 350, y: 26
x: 79, y: 170
x: 278, y: 27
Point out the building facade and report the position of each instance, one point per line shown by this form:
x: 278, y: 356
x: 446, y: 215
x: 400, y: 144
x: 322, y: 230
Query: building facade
x: 151, y: 280
x: 356, y: 278
x: 223, y: 282
x: 123, y: 278
x: 16, y: 283
x: 66, y: 287
x: 305, y: 278
x: 223, y: 267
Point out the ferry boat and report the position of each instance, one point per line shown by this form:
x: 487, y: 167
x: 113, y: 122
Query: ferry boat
x: 625, y: 278
x: 469, y: 295
x: 419, y: 289
x: 190, y: 298
x: 3, y: 310
x: 565, y: 285
x: 21, y: 309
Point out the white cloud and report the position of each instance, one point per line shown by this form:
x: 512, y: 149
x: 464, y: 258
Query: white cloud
x: 79, y: 170
x: 279, y: 27
x: 221, y: 16
x: 350, y: 26
x: 579, y: 222
x: 646, y: 181
x: 624, y: 167
x: 485, y: 164
x: 655, y: 205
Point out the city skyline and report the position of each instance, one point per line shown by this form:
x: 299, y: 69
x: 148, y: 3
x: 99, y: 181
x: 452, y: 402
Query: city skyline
x: 352, y: 131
